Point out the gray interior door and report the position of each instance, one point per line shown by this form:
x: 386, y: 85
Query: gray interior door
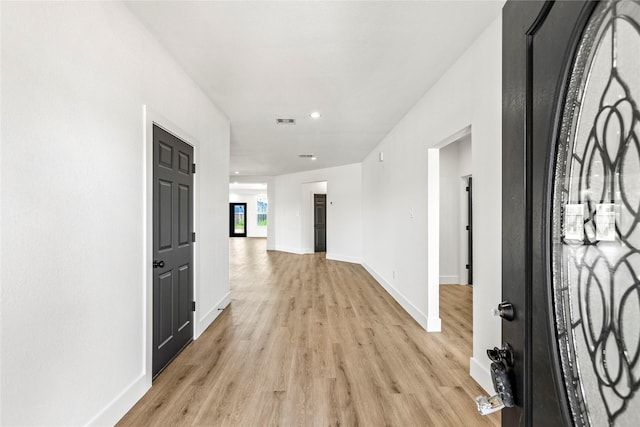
x: 320, y: 222
x: 469, y: 228
x: 172, y: 247
x: 571, y: 211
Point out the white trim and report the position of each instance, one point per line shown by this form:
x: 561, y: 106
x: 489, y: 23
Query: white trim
x: 290, y: 250
x: 434, y: 324
x: 453, y: 138
x: 433, y: 231
x: 450, y: 280
x: 207, y: 319
x: 480, y: 373
x: 344, y: 258
x: 429, y: 324
x: 122, y: 403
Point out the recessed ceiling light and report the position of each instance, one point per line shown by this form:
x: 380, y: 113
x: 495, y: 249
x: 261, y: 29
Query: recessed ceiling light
x: 237, y: 172
x: 314, y: 158
x: 315, y: 115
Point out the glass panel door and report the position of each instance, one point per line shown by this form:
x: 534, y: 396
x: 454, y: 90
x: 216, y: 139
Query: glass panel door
x: 596, y: 222
x: 238, y: 220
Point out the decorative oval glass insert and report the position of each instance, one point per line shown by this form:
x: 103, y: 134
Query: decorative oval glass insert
x: 596, y: 222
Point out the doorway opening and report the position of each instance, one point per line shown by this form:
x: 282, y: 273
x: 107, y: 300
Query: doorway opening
x: 455, y: 227
x: 448, y: 169
x: 254, y: 195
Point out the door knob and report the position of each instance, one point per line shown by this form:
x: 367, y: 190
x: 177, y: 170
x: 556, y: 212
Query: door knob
x: 505, y: 310
x: 158, y: 264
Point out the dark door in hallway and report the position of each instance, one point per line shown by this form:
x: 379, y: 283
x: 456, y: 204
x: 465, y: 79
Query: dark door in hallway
x: 469, y: 228
x: 172, y: 247
x: 237, y: 220
x: 571, y: 210
x: 320, y: 222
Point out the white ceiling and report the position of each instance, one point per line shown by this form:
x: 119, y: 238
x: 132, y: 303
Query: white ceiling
x: 363, y: 65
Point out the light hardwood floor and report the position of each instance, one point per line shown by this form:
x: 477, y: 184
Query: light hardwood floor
x: 311, y: 342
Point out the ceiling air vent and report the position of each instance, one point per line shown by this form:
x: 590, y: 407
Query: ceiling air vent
x: 286, y: 121
x: 306, y: 156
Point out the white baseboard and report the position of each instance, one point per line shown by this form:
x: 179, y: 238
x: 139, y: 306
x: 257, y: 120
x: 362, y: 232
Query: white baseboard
x: 211, y: 315
x: 344, y: 258
x: 429, y: 324
x: 449, y: 280
x: 290, y: 250
x: 434, y: 324
x: 480, y: 373
x: 122, y: 403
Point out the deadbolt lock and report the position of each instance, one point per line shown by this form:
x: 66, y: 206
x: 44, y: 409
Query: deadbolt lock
x: 505, y: 311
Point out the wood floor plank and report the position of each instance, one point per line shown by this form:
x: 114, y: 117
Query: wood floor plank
x: 312, y: 342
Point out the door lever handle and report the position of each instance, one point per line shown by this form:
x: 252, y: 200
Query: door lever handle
x: 501, y: 360
x: 503, y: 354
x: 158, y: 264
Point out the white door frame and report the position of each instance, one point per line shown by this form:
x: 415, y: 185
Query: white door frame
x: 433, y: 229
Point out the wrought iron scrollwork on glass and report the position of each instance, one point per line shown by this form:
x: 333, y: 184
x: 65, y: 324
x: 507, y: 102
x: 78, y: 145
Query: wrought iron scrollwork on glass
x: 596, y: 222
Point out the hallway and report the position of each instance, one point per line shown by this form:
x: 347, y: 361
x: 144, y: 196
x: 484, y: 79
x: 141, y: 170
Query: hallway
x: 307, y: 342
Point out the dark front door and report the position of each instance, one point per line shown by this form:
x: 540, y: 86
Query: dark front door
x: 571, y: 211
x: 172, y: 247
x: 320, y: 222
x: 237, y: 220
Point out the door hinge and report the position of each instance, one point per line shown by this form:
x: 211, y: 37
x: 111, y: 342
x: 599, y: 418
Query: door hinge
x: 466, y: 228
x: 193, y: 236
x: 193, y: 168
x: 465, y: 188
x: 466, y: 266
x: 193, y: 306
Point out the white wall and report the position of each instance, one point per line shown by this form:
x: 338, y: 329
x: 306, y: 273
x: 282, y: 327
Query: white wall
x: 344, y: 211
x: 250, y: 197
x: 395, y: 192
x: 455, y: 163
x: 75, y: 199
x: 449, y: 215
